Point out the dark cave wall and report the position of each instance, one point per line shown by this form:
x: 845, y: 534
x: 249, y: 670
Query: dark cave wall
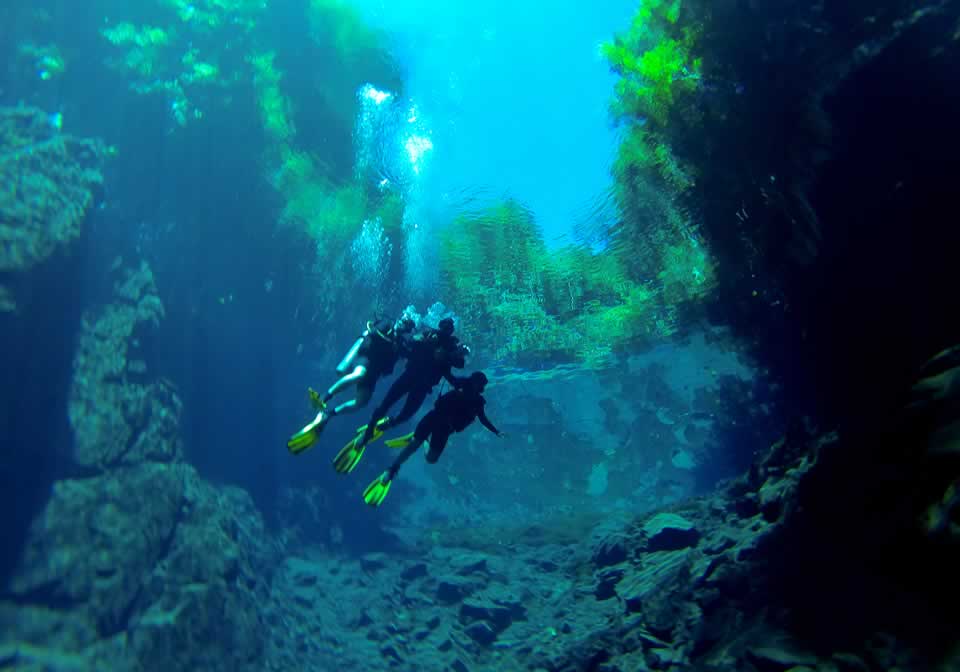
x: 843, y: 154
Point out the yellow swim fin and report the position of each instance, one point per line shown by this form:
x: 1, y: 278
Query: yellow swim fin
x: 315, y: 399
x: 349, y: 456
x: 400, y: 441
x: 307, y: 436
x: 377, y: 491
x: 378, y: 430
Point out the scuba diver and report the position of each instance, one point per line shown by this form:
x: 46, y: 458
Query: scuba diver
x: 373, y: 355
x: 453, y: 412
x: 430, y: 358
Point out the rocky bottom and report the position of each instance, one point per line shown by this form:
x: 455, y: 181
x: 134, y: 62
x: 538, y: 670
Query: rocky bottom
x: 191, y: 579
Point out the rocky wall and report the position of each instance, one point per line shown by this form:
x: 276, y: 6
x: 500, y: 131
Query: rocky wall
x: 135, y: 563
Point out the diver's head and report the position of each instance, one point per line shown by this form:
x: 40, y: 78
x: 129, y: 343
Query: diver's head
x: 446, y: 326
x: 478, y: 381
x: 458, y: 358
x: 404, y: 324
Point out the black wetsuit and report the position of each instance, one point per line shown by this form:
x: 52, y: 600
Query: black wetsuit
x: 454, y: 412
x: 428, y: 360
x: 379, y: 353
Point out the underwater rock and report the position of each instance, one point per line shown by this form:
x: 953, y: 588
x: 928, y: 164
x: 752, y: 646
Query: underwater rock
x: 461, y: 562
x: 771, y: 498
x: 651, y: 587
x: 498, y: 612
x: 454, y: 589
x: 374, y: 562
x: 52, y: 179
x: 481, y: 633
x: 934, y: 413
x: 668, y: 531
x: 848, y: 662
x: 201, y: 608
x: 117, y: 416
x: 151, y: 554
x: 28, y: 658
x: 611, y: 541
x: 611, y: 550
x: 778, y: 658
x: 459, y: 666
x: 418, y: 570
x: 98, y: 539
x: 607, y: 580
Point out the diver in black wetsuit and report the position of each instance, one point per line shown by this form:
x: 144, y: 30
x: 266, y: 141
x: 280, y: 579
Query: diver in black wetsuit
x: 454, y: 412
x: 373, y: 355
x: 430, y: 358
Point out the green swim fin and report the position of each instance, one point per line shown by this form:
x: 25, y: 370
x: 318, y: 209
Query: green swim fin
x: 377, y: 491
x: 349, y: 456
x: 307, y: 436
x: 378, y: 429
x: 315, y: 399
x: 399, y: 442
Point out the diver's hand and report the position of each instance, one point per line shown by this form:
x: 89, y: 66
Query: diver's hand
x: 501, y: 435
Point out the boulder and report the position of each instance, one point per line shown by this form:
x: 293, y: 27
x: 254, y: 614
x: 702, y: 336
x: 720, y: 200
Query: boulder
x: 98, y: 539
x: 119, y: 418
x: 499, y: 613
x: 779, y: 658
x: 668, y: 532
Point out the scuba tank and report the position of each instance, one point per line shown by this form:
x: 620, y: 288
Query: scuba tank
x: 347, y: 362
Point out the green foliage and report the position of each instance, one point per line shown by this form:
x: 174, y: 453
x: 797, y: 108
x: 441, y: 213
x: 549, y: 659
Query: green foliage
x: 212, y: 14
x: 337, y: 23
x: 146, y: 47
x: 327, y: 209
x: 330, y: 215
x: 357, y: 53
x: 656, y: 239
x: 655, y: 62
x: 274, y: 106
x: 521, y: 302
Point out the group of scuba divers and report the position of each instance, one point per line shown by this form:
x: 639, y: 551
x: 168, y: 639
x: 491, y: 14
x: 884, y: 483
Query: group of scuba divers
x: 431, y: 355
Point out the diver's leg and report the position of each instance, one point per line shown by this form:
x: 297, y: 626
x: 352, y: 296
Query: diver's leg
x: 308, y: 435
x: 403, y: 457
x: 422, y: 432
x: 399, y: 388
x: 415, y: 399
x: 364, y: 392
x: 438, y: 441
x: 351, y: 378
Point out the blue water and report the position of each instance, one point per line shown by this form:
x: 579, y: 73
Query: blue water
x: 516, y: 96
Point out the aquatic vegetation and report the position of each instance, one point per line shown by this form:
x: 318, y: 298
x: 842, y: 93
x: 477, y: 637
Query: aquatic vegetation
x: 339, y: 24
x: 142, y: 36
x: 660, y: 73
x: 339, y: 36
x: 213, y: 13
x: 326, y: 206
x: 146, y: 48
x: 46, y: 60
x: 178, y: 60
x: 524, y: 303
x: 274, y: 106
x: 656, y: 61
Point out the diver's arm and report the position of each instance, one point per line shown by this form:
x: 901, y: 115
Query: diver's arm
x: 455, y: 381
x: 485, y: 421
